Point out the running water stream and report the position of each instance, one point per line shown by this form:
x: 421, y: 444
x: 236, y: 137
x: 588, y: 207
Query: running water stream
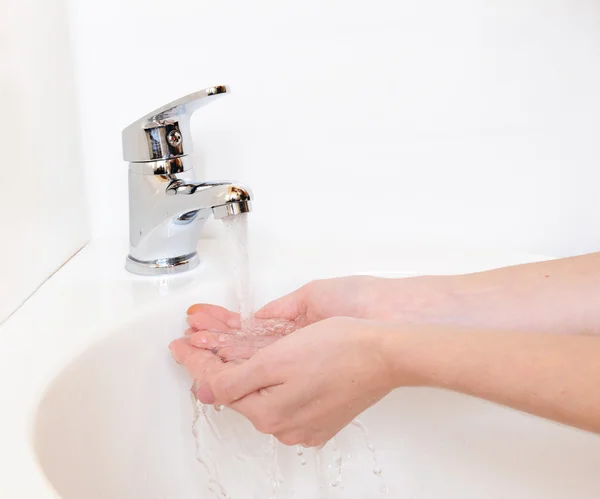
x: 221, y: 443
x: 237, y: 235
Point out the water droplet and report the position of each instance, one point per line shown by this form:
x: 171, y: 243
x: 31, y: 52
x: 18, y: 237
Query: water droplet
x: 377, y: 470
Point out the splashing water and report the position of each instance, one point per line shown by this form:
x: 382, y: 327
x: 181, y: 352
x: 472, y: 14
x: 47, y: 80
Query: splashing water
x: 216, y: 437
x: 377, y: 470
x: 333, y: 471
x: 239, y: 463
x: 221, y: 434
x: 274, y: 472
x: 300, y: 454
x: 203, y: 421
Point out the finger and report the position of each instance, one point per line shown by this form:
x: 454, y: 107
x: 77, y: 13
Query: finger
x: 242, y: 351
x: 221, y: 313
x: 227, y: 346
x: 202, y: 363
x: 290, y: 438
x: 197, y: 362
x: 209, y: 340
x: 202, y: 391
x: 288, y: 307
x: 216, y: 310
x: 201, y: 388
x: 181, y: 350
x: 264, y: 411
x: 231, y: 347
x: 204, y: 320
x: 252, y: 407
x: 243, y: 379
x: 189, y: 330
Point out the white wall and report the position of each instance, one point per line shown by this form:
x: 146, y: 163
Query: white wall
x: 42, y: 203
x: 473, y: 120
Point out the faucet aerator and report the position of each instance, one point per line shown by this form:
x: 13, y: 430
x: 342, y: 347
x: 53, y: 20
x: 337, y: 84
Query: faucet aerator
x: 231, y: 209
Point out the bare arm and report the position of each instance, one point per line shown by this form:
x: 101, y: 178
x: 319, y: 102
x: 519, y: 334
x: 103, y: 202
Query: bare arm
x: 307, y: 386
x: 495, y: 335
x: 550, y: 375
x: 561, y: 296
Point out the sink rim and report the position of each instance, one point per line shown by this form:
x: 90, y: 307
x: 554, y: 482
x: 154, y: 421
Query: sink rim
x: 97, y: 273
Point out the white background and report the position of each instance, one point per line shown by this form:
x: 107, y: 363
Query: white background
x: 469, y: 121
x: 473, y: 121
x: 43, y: 215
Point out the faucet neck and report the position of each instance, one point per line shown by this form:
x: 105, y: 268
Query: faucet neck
x: 161, y: 167
x: 167, y: 213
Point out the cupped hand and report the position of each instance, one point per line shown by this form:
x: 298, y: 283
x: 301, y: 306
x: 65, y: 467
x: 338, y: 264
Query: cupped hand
x: 422, y: 299
x: 414, y: 299
x: 307, y: 386
x: 214, y: 340
x: 363, y: 297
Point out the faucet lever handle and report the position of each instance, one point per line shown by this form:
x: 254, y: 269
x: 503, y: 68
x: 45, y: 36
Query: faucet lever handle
x: 165, y: 132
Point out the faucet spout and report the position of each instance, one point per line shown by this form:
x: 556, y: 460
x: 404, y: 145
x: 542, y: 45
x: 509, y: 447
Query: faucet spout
x: 167, y: 215
x: 226, y: 199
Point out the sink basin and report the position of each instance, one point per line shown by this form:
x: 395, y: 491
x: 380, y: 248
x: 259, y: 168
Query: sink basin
x: 104, y: 412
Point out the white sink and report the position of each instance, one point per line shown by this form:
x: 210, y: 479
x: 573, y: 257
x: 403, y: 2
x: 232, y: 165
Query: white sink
x: 97, y: 409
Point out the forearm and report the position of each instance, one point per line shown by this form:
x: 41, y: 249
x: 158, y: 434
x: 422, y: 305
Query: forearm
x: 549, y: 375
x: 555, y: 296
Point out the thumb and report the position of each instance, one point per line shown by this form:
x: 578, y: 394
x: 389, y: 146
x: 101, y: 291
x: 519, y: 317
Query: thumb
x: 288, y: 307
x: 241, y: 380
x: 203, y: 392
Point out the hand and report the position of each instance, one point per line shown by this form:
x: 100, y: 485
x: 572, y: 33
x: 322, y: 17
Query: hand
x: 309, y: 385
x: 412, y: 299
x: 205, y: 317
x: 354, y: 296
x: 214, y: 340
x: 202, y: 352
x: 362, y: 297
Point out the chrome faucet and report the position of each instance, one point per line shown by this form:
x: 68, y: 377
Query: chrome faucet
x: 167, y: 207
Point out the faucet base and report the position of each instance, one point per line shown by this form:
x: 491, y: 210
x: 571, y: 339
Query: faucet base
x: 162, y: 266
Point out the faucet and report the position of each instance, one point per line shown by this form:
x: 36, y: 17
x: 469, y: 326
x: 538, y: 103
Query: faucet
x: 167, y: 207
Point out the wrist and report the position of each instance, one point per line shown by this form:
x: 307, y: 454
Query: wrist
x: 427, y: 299
x: 425, y: 355
x: 402, y: 349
